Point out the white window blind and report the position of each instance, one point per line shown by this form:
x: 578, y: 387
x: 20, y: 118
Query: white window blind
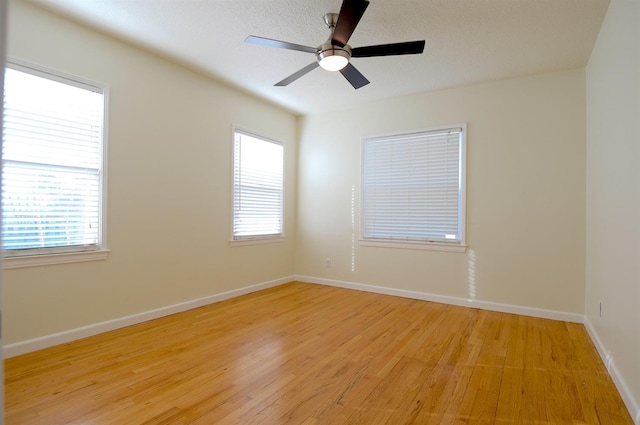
x: 257, y: 187
x: 52, y: 164
x: 413, y: 187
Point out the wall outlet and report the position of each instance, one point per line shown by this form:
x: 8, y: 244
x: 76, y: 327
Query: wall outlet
x: 327, y: 262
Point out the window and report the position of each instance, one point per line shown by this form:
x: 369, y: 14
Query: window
x: 413, y: 187
x: 257, y: 187
x: 52, y: 157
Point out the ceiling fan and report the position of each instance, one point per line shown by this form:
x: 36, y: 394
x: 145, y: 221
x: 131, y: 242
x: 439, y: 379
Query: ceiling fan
x: 334, y: 54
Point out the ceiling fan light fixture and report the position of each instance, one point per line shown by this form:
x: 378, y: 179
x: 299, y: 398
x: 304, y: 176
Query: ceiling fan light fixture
x: 333, y: 59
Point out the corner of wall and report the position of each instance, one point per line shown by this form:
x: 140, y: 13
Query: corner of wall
x: 632, y: 404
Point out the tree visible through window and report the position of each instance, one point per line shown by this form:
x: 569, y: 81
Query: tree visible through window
x: 257, y: 187
x: 52, y: 163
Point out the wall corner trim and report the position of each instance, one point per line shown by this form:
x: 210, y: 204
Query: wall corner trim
x: 27, y: 346
x: 632, y: 404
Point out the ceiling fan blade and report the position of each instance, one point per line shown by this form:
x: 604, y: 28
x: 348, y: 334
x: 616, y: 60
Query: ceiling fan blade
x: 348, y: 18
x: 407, y: 48
x: 354, y: 76
x: 291, y: 78
x: 280, y: 44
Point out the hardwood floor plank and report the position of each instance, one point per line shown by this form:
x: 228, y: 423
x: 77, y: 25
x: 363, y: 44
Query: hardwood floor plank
x: 394, y: 399
x: 309, y: 354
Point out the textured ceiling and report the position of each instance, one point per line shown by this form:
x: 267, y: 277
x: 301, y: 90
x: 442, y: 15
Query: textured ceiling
x: 467, y: 41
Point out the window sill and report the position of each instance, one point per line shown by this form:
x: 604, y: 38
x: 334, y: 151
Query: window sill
x: 433, y: 246
x: 256, y: 241
x: 50, y: 259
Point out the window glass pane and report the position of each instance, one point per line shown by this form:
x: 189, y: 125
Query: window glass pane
x: 258, y: 182
x: 52, y: 157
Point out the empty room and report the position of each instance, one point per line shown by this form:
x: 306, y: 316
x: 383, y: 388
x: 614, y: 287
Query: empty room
x: 328, y: 212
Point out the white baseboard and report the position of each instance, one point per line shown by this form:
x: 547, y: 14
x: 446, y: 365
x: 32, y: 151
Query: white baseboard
x: 34, y: 344
x: 443, y: 299
x: 632, y: 404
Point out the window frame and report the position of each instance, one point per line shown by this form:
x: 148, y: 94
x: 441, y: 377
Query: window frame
x: 255, y: 239
x: 436, y: 245
x: 67, y: 254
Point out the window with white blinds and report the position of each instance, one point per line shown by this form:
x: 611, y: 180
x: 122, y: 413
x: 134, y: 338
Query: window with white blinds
x: 257, y: 187
x: 52, y: 157
x: 413, y: 187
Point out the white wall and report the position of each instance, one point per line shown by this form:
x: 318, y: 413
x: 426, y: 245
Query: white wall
x: 525, y: 194
x: 169, y: 181
x: 613, y: 195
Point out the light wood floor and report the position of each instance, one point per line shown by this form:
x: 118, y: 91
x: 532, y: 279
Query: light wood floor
x: 307, y: 354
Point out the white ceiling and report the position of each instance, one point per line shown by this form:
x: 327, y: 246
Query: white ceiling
x: 467, y: 41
